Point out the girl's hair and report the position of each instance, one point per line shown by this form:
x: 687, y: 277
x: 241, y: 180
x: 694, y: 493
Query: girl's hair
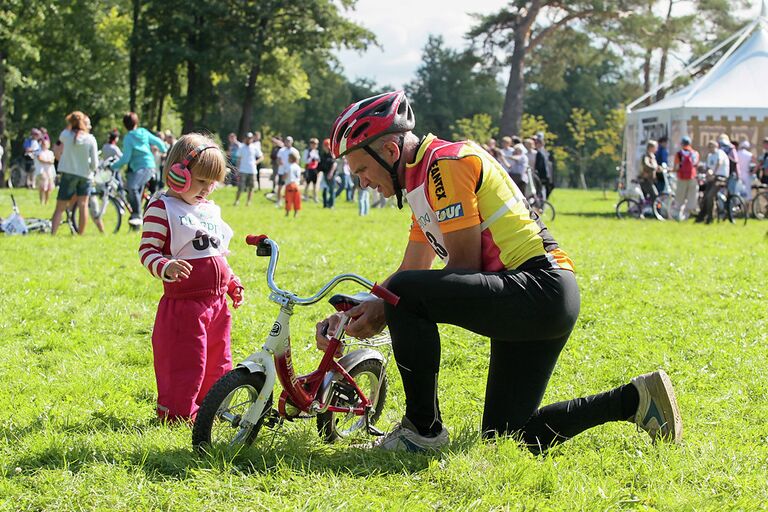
x: 76, y: 121
x: 130, y: 120
x: 209, y: 165
x: 113, y: 135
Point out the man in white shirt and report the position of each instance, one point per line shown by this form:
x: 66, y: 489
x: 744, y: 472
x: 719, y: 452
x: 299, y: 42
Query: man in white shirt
x: 718, y: 169
x: 249, y: 156
x: 746, y: 163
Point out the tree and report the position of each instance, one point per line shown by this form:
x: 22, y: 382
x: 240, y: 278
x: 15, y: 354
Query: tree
x: 478, y: 128
x: 451, y: 85
x: 516, y: 29
x: 580, y: 126
x: 296, y: 26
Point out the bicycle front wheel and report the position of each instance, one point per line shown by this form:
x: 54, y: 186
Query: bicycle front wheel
x: 736, y: 209
x: 628, y: 209
x: 760, y: 206
x: 665, y: 207
x: 219, y: 419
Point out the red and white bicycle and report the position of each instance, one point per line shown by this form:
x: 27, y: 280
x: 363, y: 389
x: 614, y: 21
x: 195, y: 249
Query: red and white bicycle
x: 345, y: 395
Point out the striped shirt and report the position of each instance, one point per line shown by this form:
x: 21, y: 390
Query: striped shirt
x: 155, y: 247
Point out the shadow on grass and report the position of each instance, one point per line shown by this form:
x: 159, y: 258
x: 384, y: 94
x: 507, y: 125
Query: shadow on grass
x: 593, y: 215
x: 296, y: 451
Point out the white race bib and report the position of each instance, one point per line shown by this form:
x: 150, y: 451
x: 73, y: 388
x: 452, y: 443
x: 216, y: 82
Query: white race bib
x: 427, y: 220
x: 197, y: 231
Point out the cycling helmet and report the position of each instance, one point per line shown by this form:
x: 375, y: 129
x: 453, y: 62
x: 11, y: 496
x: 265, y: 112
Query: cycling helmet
x: 363, y: 122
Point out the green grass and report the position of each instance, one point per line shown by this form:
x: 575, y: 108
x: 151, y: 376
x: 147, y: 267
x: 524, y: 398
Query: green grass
x: 77, y: 393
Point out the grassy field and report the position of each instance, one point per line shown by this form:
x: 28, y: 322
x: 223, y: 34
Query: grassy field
x: 78, y: 394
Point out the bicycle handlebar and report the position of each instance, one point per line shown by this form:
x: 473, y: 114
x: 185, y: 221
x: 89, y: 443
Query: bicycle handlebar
x: 267, y: 247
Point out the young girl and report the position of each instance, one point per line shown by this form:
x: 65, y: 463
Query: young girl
x: 184, y: 242
x: 44, y: 171
x: 292, y: 179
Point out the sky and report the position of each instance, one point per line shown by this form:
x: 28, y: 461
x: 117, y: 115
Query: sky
x: 402, y: 29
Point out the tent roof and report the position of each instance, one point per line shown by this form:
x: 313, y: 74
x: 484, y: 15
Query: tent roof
x: 738, y: 82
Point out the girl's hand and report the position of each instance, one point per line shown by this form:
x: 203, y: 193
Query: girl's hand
x: 178, y: 270
x: 236, y: 294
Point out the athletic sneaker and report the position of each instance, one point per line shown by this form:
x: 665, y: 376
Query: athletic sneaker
x: 657, y: 412
x: 405, y: 437
x: 135, y: 221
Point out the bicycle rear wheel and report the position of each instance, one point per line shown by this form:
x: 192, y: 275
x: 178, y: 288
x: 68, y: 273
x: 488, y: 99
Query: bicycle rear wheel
x: 107, y: 210
x: 372, y: 380
x: 628, y: 209
x: 736, y: 209
x: 760, y: 206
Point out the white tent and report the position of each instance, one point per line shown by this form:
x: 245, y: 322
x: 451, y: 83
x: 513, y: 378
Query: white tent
x: 732, y: 98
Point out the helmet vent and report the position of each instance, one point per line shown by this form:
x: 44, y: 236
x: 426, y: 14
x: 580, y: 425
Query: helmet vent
x: 359, y: 130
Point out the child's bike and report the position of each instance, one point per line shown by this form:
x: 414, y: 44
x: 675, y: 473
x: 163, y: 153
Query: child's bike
x: 346, y: 396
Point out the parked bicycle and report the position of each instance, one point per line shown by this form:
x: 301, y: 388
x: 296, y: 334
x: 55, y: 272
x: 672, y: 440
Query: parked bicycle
x: 15, y: 224
x: 759, y: 205
x: 106, y: 202
x: 346, y: 396
x: 635, y: 205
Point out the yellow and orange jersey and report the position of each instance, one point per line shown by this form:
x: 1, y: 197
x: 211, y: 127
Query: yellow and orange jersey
x: 457, y: 185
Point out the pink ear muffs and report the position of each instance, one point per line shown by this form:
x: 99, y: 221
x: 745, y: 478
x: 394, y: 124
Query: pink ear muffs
x: 179, y: 177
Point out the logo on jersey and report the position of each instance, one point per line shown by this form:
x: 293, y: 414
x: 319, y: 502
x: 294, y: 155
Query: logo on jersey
x: 452, y: 211
x: 437, y: 179
x: 423, y: 220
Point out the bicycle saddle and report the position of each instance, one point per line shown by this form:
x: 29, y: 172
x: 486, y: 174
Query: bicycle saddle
x: 346, y: 302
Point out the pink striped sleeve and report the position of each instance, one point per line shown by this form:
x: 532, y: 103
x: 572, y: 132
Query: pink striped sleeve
x: 154, y: 238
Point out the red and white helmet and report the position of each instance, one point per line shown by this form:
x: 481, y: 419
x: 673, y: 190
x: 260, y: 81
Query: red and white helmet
x: 362, y: 122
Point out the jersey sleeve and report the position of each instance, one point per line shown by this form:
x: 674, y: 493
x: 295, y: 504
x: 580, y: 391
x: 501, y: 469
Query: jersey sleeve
x: 416, y: 234
x: 154, y: 239
x: 452, y: 185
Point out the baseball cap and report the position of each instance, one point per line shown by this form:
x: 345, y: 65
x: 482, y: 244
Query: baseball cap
x: 249, y: 134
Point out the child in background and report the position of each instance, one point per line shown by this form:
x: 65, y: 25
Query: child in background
x: 184, y: 243
x: 45, y: 173
x: 292, y: 179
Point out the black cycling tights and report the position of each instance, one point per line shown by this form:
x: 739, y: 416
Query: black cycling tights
x: 528, y: 315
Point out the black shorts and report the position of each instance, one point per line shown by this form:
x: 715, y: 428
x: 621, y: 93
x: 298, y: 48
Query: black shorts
x: 311, y: 175
x: 72, y: 185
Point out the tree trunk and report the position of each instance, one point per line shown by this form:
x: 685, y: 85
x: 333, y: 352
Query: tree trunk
x: 3, y: 138
x: 160, y: 102
x: 133, y: 72
x: 512, y: 113
x: 193, y: 89
x: 664, y: 53
x: 246, y: 116
x: 647, y: 74
x: 582, y: 172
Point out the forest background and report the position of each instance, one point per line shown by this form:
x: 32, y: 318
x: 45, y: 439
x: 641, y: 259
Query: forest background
x: 565, y: 68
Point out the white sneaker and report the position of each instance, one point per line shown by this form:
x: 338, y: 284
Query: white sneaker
x: 134, y: 221
x: 405, y: 437
x: 657, y: 412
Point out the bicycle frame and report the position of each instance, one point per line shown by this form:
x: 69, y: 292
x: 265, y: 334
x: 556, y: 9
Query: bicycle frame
x: 275, y: 360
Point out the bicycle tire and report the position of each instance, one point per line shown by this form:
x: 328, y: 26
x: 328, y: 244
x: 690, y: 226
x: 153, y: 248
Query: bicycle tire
x: 664, y: 206
x: 38, y: 225
x: 628, y: 209
x: 329, y: 424
x: 736, y: 209
x: 110, y: 213
x: 760, y: 206
x: 547, y: 211
x: 205, y: 432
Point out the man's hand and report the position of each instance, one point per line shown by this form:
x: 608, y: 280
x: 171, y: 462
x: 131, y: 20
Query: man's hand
x: 178, y: 270
x: 322, y: 330
x: 367, y: 319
